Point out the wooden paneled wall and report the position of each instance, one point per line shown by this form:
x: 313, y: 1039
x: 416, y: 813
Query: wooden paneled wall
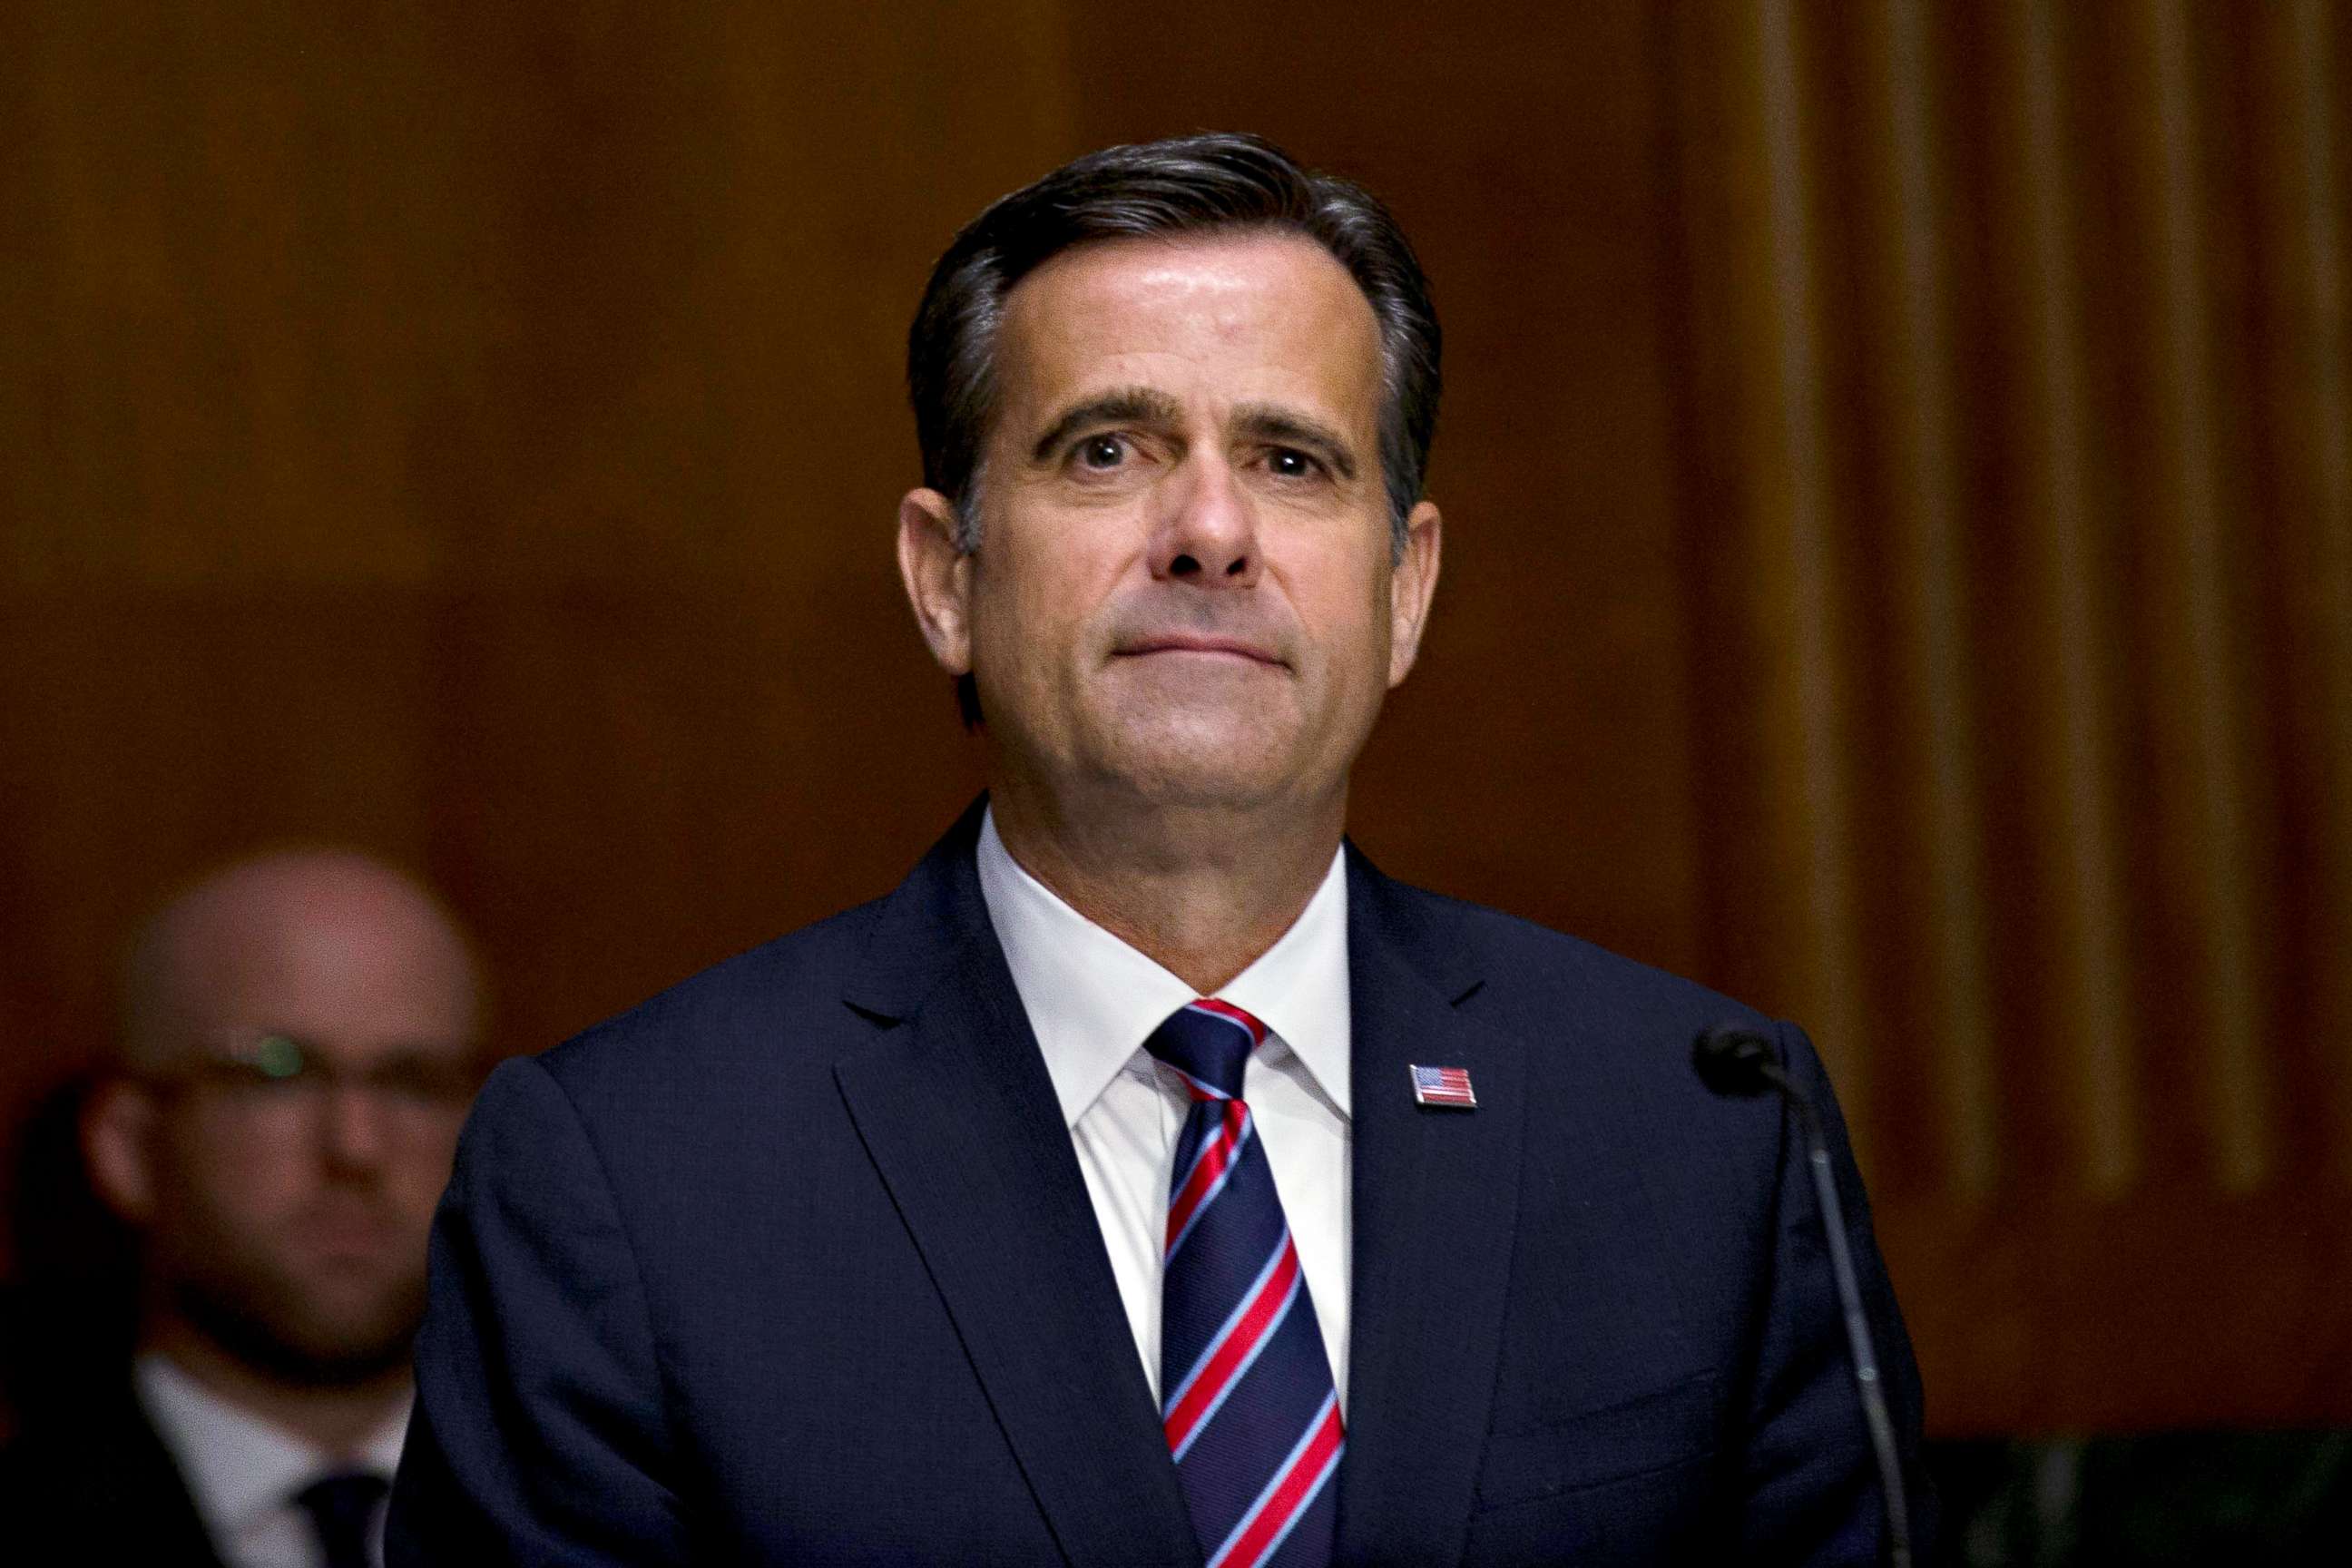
x: 2014, y: 370
x: 1900, y: 541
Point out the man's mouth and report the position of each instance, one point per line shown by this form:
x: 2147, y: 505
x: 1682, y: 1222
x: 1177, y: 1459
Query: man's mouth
x: 1199, y: 645
x: 345, y: 1230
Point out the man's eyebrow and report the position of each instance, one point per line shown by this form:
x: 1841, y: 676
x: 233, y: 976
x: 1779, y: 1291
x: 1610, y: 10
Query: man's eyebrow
x: 1266, y: 422
x: 1126, y: 405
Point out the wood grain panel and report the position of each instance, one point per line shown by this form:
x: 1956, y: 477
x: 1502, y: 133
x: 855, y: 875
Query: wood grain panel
x: 1900, y: 541
x: 2102, y: 533
x: 2304, y: 447
x: 148, y: 733
x: 1935, y: 650
x: 2194, y: 640
x: 2071, y: 836
x: 474, y: 433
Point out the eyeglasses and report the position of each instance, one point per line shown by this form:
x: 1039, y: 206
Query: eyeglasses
x: 282, y: 1070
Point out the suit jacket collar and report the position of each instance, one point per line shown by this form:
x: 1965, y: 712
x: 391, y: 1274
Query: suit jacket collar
x: 957, y: 1111
x: 959, y: 1114
x: 93, y: 1482
x: 1436, y: 1194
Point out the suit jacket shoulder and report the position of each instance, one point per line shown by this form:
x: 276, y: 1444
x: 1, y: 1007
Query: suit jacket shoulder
x: 763, y: 1265
x: 95, y: 1484
x: 1667, y: 1375
x: 741, y: 1010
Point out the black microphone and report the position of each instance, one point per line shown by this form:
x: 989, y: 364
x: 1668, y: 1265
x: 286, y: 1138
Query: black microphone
x: 1742, y: 1064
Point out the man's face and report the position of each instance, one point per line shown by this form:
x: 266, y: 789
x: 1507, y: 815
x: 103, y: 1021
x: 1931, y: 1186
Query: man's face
x: 1183, y: 589
x: 300, y: 1131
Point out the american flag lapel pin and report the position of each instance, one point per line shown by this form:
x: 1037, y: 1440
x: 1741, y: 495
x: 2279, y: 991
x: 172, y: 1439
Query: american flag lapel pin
x: 1444, y: 1085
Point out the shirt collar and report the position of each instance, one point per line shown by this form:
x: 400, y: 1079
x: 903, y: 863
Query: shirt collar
x: 1093, y: 1000
x: 237, y: 1466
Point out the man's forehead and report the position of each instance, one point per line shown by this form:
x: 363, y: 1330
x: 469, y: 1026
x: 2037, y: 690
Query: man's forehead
x: 329, y: 945
x: 1232, y: 256
x: 1218, y: 308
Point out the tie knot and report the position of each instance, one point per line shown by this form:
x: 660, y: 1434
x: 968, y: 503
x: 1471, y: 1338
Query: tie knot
x: 342, y: 1507
x: 1210, y: 1043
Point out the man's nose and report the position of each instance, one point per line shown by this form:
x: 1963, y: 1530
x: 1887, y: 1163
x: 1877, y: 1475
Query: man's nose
x: 1208, y: 535
x: 352, y: 1131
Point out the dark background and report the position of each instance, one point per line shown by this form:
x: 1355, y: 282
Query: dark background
x: 1899, y: 524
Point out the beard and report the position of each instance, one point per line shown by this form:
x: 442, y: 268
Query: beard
x: 290, y: 1348
x: 288, y: 1331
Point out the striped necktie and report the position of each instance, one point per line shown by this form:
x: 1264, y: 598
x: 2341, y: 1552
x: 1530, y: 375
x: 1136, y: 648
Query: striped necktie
x: 1245, y: 1390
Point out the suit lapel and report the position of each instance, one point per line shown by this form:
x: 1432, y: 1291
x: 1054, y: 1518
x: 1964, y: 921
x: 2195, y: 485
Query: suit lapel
x: 1436, y: 1195
x: 959, y: 1114
x: 95, y: 1483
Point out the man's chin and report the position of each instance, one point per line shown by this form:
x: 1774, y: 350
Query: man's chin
x: 308, y: 1344
x: 1205, y: 779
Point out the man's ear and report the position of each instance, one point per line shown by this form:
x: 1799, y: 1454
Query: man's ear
x: 117, y: 1145
x: 1409, y: 587
x: 938, y: 577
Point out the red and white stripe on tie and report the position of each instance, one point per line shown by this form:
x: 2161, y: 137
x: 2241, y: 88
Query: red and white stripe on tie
x: 1247, y: 1400
x: 1271, y: 1298
x: 1305, y: 1473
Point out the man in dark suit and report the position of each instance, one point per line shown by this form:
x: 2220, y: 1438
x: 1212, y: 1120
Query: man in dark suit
x: 1149, y: 1179
x: 298, y: 1048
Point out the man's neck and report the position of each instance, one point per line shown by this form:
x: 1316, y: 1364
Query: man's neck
x: 338, y: 1421
x: 1201, y: 892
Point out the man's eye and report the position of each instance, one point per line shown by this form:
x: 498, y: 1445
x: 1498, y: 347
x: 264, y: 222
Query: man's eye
x: 1102, y: 451
x: 1292, y: 464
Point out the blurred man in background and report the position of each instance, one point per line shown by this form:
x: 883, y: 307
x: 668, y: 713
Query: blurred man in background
x: 299, y: 1045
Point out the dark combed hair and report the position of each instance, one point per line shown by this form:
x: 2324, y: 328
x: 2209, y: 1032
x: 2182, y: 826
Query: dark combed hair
x: 1183, y: 186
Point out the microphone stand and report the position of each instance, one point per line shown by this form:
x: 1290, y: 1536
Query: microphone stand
x: 1741, y: 1062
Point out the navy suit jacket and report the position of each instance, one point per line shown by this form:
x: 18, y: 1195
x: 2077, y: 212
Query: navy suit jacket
x: 794, y: 1263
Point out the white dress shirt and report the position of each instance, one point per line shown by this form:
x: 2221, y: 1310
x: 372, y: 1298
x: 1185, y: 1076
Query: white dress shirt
x: 1093, y: 1000
x: 243, y: 1472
